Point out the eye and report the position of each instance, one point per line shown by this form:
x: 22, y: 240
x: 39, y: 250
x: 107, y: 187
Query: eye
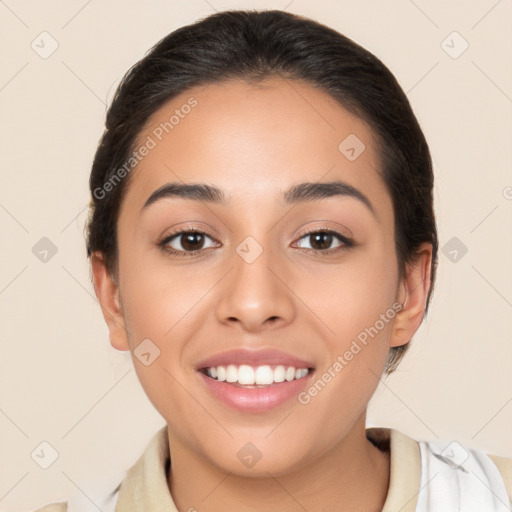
x: 191, y: 242
x: 185, y: 243
x: 322, y: 241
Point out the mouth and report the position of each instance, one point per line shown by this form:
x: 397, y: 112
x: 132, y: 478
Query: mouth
x: 255, y: 380
x: 258, y: 377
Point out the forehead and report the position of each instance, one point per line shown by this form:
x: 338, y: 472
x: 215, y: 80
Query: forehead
x: 255, y: 140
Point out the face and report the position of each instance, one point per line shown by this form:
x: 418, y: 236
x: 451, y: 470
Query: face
x: 291, y: 294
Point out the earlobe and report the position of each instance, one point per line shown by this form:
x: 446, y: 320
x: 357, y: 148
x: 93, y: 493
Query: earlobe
x: 107, y: 292
x: 413, y: 293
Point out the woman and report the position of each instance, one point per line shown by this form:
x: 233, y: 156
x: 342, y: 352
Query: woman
x: 262, y: 239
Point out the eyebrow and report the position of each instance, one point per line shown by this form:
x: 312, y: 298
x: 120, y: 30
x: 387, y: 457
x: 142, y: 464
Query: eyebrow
x: 296, y: 194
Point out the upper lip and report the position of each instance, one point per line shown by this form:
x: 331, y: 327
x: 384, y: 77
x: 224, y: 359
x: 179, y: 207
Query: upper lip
x: 258, y: 357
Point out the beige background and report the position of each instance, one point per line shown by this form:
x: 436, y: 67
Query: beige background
x: 62, y: 383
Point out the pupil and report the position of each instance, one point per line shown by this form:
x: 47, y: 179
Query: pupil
x: 322, y: 239
x: 190, y: 241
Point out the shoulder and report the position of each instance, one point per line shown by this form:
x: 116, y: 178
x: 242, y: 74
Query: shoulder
x: 97, y: 494
x: 443, y: 475
x: 451, y: 469
x: 116, y: 491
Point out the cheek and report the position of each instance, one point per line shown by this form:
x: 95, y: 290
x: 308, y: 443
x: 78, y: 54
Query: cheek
x: 360, y: 313
x: 356, y: 302
x: 353, y: 295
x: 157, y: 296
x: 161, y: 304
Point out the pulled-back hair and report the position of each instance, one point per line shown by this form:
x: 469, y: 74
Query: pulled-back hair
x: 253, y: 46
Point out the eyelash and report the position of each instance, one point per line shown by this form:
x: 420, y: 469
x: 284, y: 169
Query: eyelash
x: 347, y: 243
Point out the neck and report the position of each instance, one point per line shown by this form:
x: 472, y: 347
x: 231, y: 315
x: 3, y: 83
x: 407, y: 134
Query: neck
x: 353, y: 475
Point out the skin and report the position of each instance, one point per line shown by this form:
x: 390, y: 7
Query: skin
x: 254, y: 142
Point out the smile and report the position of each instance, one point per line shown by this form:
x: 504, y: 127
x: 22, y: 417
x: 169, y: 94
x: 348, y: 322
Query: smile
x: 255, y: 377
x: 254, y: 381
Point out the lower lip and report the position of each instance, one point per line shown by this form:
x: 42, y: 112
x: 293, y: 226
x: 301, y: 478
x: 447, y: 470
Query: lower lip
x: 255, y: 399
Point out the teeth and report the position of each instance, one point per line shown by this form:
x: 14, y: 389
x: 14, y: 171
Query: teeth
x: 264, y: 376
x: 279, y: 373
x: 301, y: 373
x: 246, y: 375
x: 221, y: 373
x: 231, y: 373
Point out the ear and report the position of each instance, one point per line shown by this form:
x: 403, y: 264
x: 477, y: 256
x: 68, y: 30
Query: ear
x: 107, y: 292
x: 413, y: 292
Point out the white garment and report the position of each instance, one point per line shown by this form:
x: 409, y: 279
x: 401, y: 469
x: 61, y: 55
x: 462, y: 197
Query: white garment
x: 457, y: 479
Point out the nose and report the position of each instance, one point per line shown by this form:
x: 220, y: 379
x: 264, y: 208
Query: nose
x: 255, y: 295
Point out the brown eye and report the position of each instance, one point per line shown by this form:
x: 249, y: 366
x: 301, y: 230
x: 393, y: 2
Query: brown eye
x: 322, y: 241
x: 192, y: 241
x: 186, y: 242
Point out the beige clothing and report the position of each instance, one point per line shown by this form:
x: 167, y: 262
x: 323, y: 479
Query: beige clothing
x: 144, y: 486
